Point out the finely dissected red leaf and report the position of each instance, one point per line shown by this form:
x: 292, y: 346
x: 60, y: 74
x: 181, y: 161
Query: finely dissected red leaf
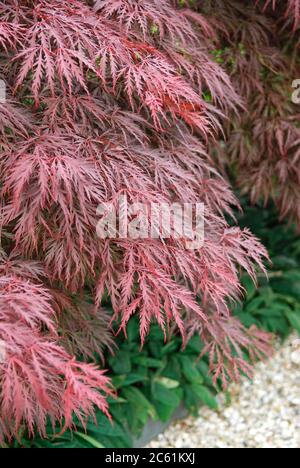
x: 264, y: 143
x: 38, y: 378
x: 292, y: 8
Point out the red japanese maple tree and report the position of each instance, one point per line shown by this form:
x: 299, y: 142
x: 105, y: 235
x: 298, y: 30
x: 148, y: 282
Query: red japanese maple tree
x: 108, y: 98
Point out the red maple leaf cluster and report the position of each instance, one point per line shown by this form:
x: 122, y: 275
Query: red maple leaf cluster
x: 108, y: 98
x: 261, y: 56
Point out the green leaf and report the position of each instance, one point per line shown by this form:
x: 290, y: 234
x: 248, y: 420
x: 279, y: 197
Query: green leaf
x: 93, y: 442
x: 195, y: 345
x: 165, y: 412
x: 171, y: 397
x: 118, y: 381
x: 247, y: 319
x: 173, y: 369
x: 294, y: 319
x: 148, y: 362
x: 168, y: 383
x: 169, y: 348
x: 205, y: 396
x: 191, y: 400
x: 250, y: 287
x: 121, y: 362
x: 277, y: 325
x: 189, y: 370
x: 135, y: 378
x: 138, y: 400
x: 255, y: 305
x: 133, y: 332
x: 166, y: 400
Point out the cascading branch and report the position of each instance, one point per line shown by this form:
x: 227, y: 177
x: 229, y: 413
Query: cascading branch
x: 291, y: 7
x: 259, y: 49
x: 109, y: 98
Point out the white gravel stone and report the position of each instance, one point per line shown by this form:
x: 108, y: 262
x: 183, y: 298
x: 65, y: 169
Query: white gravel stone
x: 264, y: 413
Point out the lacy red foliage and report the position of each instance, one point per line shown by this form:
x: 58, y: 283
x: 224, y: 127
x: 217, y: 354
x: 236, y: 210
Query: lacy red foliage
x: 292, y: 10
x: 38, y: 378
x: 110, y: 98
x: 260, y: 55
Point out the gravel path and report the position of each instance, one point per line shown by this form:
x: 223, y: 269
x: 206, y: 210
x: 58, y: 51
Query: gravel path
x: 264, y: 413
